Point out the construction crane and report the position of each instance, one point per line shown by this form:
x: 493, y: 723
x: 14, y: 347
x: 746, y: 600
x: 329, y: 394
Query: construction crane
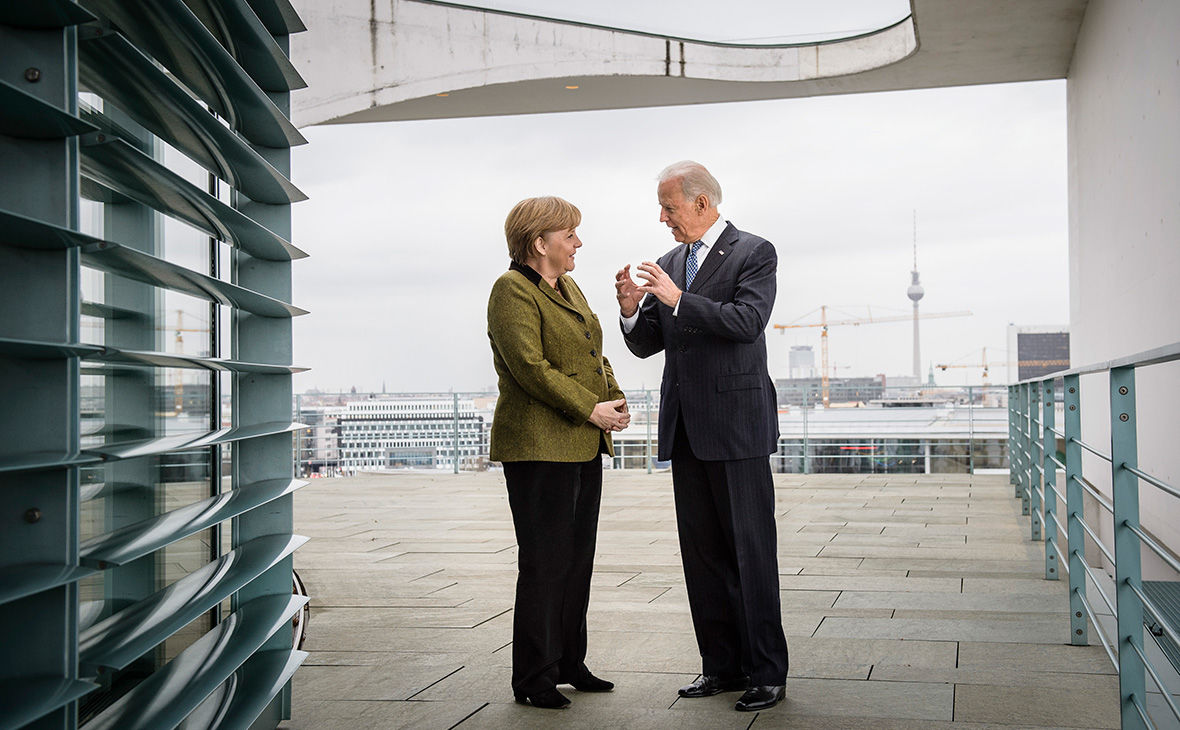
x: 855, y: 322
x: 985, y: 365
x: 178, y: 388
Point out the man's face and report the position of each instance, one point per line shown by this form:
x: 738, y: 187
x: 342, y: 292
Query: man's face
x: 688, y: 219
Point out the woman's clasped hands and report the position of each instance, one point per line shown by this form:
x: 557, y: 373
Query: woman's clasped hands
x: 611, y: 415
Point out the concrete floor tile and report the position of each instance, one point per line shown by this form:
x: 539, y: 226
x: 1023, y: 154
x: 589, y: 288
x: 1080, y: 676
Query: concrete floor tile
x: 1030, y: 630
x: 1038, y: 705
x: 1045, y: 657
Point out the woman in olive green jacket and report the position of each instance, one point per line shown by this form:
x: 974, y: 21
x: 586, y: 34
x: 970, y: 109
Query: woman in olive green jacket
x: 558, y: 405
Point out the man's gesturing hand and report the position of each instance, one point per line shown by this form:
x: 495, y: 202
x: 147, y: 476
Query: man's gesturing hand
x: 627, y: 292
x: 658, y: 283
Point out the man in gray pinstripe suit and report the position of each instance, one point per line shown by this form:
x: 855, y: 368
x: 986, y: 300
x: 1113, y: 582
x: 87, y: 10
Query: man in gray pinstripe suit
x: 707, y: 305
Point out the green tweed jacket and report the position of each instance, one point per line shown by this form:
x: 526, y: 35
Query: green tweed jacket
x: 547, y: 349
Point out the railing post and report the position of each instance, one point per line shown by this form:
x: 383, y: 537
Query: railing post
x: 1048, y: 450
x: 1022, y: 446
x: 647, y: 423
x: 1013, y: 473
x: 1075, y: 512
x: 1127, y: 570
x: 806, y: 398
x: 970, y: 430
x: 455, y: 433
x: 1034, y: 460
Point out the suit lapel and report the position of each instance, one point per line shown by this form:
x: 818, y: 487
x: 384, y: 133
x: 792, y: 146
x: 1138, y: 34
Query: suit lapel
x: 717, y: 254
x: 676, y: 266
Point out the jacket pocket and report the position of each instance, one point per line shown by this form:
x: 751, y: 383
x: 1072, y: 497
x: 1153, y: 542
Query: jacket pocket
x: 741, y: 381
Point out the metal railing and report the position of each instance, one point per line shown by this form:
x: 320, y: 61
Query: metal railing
x: 1036, y: 458
x: 958, y: 430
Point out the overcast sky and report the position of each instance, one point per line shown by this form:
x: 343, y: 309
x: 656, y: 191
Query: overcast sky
x: 405, y: 225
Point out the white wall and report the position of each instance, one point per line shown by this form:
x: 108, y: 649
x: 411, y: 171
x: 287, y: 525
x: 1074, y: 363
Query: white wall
x: 1124, y: 257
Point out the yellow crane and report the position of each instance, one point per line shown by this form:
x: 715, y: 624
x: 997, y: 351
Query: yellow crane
x: 855, y: 322
x: 985, y: 365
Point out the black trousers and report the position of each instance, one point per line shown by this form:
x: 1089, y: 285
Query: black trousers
x: 728, y: 543
x: 555, y: 512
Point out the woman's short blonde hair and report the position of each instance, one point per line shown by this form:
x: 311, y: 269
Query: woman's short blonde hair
x: 533, y: 217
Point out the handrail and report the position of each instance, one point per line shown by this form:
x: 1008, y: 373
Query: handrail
x: 1166, y: 555
x: 1032, y: 402
x: 1101, y: 498
x: 1097, y: 541
x: 1098, y: 627
x: 1152, y: 480
x: 1091, y: 449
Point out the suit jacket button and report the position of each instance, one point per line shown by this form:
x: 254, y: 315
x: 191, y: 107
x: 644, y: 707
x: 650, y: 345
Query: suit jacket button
x: 684, y: 348
x: 581, y: 318
x: 593, y: 353
x: 599, y: 371
x: 587, y: 335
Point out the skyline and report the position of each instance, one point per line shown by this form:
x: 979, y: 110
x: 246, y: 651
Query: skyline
x: 831, y: 181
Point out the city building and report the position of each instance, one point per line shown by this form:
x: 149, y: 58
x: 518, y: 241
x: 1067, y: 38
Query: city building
x: 801, y: 362
x: 809, y: 390
x: 1035, y: 351
x: 394, y: 433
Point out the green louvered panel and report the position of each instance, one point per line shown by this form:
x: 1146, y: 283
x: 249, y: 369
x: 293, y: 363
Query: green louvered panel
x: 105, y: 485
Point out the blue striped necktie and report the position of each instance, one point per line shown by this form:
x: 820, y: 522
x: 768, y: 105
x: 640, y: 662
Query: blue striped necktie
x: 690, y: 270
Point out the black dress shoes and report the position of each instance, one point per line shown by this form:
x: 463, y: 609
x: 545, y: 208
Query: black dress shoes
x: 550, y: 699
x: 761, y: 698
x: 589, y: 683
x: 708, y: 685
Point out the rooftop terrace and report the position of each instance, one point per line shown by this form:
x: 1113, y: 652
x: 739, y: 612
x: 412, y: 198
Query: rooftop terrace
x: 913, y: 602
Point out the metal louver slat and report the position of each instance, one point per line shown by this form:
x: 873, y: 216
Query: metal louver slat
x: 33, y: 350
x: 134, y: 541
x: 165, y: 698
x: 24, y: 700
x: 116, y: 259
x: 169, y: 32
x: 249, y: 42
x: 31, y: 118
x: 119, y: 639
x: 18, y: 581
x: 24, y: 232
x: 118, y: 165
x: 278, y: 16
x: 170, y: 360
x: 43, y: 15
x: 42, y: 460
x: 185, y: 442
x: 118, y: 72
x: 258, y: 681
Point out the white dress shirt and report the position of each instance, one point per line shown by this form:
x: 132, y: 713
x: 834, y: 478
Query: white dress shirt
x: 708, y: 240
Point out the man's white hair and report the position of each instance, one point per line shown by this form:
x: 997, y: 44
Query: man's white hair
x: 694, y: 180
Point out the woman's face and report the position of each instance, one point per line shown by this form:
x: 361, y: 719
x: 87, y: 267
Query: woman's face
x: 559, y: 249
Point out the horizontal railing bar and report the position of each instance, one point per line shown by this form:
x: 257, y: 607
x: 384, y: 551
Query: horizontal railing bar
x: 1060, y: 496
x: 1091, y: 449
x: 1090, y: 531
x: 1060, y: 555
x: 1155, y: 613
x: 1053, y: 458
x: 1152, y: 480
x: 1142, y: 712
x: 1055, y: 432
x: 1098, y: 628
x: 1165, y: 554
x: 1102, y: 500
x: 1090, y: 572
x: 1061, y: 527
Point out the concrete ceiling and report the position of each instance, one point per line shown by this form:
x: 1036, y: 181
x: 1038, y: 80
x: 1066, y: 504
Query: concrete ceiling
x: 423, y: 60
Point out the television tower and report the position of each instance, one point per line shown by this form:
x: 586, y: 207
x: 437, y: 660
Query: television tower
x: 915, y: 292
